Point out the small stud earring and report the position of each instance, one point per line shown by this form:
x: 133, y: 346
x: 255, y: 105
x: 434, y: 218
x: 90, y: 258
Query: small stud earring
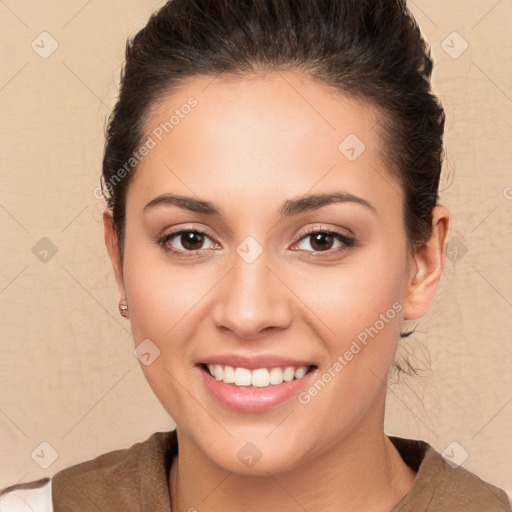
x: 123, y: 309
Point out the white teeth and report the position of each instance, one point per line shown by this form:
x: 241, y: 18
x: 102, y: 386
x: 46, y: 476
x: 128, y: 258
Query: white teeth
x: 218, y: 371
x: 300, y: 372
x: 242, y: 377
x: 229, y: 375
x: 288, y: 374
x: 276, y: 376
x: 260, y: 377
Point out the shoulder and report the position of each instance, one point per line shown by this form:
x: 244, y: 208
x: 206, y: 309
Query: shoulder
x: 33, y: 496
x: 120, y: 479
x: 465, y: 488
x: 441, y: 484
x: 115, y: 475
x: 118, y: 462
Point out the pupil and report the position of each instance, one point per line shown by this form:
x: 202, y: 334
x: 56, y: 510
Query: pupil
x: 317, y: 240
x: 187, y: 240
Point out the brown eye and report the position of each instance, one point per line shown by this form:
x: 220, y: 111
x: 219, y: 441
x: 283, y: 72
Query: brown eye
x: 325, y: 241
x: 321, y: 241
x: 191, y: 240
x: 185, y: 241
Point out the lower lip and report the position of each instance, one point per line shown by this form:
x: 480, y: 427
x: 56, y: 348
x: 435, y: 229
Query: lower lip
x: 253, y: 399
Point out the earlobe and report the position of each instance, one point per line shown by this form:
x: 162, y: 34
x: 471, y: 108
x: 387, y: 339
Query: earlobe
x: 114, y: 250
x: 427, y: 267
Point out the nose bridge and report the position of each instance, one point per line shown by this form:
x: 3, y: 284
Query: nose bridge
x: 251, y: 298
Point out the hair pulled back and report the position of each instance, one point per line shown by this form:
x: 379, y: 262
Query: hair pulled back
x: 372, y: 49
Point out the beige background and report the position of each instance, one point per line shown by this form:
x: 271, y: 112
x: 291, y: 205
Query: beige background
x: 68, y: 374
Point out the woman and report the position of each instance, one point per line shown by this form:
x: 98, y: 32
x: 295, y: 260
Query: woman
x: 271, y: 173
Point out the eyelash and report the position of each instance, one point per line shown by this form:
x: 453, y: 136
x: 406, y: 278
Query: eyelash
x: 347, y: 242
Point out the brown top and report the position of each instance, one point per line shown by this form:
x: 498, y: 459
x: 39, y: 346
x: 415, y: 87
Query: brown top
x: 439, y: 487
x: 136, y: 479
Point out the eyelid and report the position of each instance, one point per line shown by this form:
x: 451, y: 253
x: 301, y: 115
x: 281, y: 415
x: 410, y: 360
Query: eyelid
x: 347, y: 242
x: 188, y: 229
x: 162, y: 239
x: 325, y: 229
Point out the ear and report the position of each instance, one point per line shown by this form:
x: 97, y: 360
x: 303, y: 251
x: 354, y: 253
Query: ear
x: 114, y: 251
x: 427, y: 266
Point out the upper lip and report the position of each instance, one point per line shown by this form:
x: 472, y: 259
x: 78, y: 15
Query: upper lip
x: 254, y: 361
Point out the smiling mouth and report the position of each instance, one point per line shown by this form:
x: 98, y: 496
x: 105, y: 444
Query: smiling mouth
x: 258, y: 377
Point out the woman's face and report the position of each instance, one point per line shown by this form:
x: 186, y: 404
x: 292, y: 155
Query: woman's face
x: 253, y: 289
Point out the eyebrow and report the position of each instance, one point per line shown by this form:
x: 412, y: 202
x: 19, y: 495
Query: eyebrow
x: 290, y: 207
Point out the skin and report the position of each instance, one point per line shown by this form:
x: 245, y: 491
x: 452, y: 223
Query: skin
x: 249, y: 145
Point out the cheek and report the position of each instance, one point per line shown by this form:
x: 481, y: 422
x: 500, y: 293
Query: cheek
x: 361, y: 313
x: 159, y: 294
x: 159, y: 297
x: 360, y: 317
x: 366, y: 291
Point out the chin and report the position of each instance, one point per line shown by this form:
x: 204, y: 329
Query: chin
x: 253, y: 452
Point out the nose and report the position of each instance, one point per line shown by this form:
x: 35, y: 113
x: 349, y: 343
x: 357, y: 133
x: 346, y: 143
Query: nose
x: 252, y: 298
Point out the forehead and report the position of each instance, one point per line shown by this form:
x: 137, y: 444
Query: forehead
x: 248, y: 138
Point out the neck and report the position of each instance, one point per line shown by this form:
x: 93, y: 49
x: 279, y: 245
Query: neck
x: 363, y: 471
